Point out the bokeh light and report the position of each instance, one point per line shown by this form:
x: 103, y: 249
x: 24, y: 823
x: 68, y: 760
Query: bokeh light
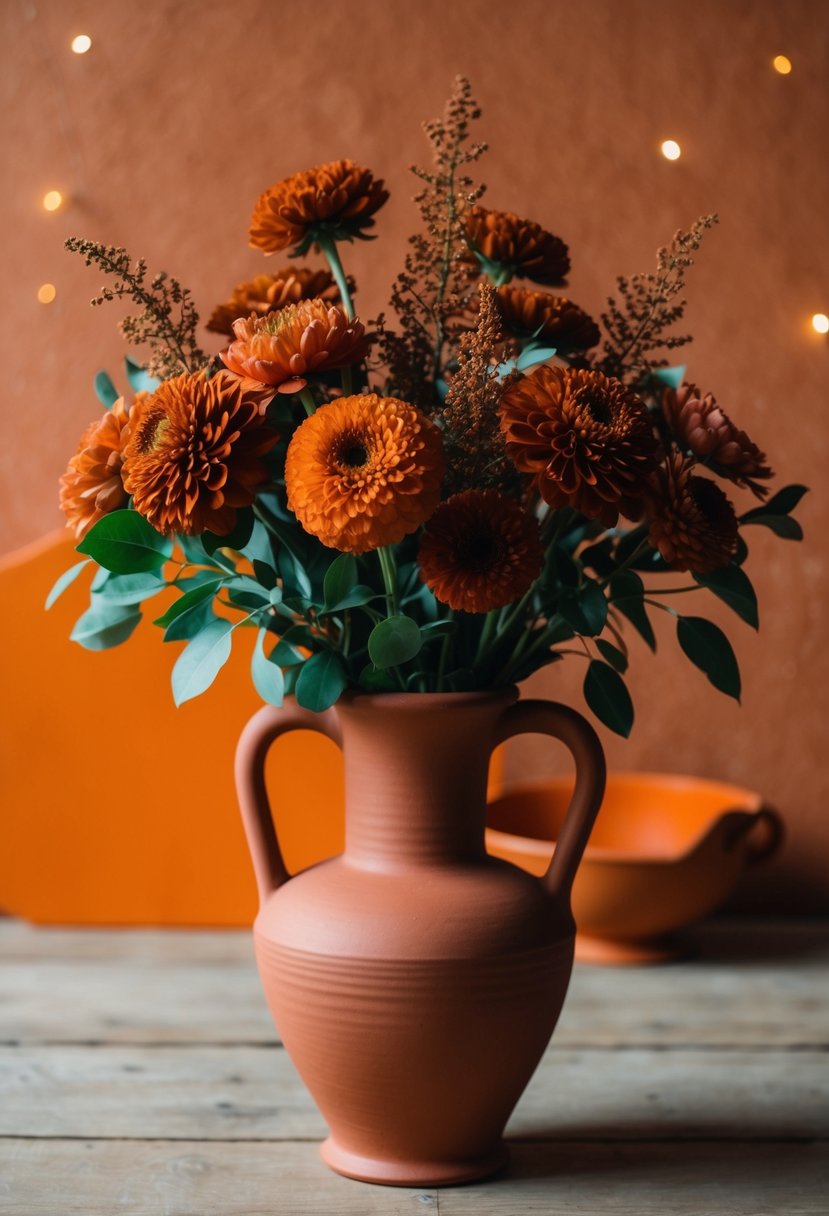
x: 671, y: 150
x: 52, y: 200
x: 782, y: 64
x: 820, y: 323
x: 46, y: 293
x: 81, y: 43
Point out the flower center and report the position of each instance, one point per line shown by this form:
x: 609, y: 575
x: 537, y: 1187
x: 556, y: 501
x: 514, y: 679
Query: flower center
x: 478, y: 550
x: 352, y: 452
x: 151, y: 433
x: 596, y: 404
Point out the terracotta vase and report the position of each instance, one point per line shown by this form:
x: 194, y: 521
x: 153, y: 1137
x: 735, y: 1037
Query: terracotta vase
x: 414, y: 979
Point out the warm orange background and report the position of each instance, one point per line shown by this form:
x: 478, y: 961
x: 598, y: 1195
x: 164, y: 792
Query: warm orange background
x: 164, y: 133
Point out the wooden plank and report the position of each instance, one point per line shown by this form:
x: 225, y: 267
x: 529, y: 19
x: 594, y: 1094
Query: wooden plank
x: 245, y: 1093
x: 98, y: 1178
x: 78, y: 986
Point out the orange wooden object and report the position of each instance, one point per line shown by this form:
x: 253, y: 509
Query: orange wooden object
x: 116, y: 807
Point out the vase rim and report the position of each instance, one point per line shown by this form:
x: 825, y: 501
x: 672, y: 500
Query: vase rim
x: 425, y: 700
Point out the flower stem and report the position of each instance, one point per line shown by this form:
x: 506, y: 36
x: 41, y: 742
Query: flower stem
x: 332, y: 256
x: 389, y: 569
x: 444, y: 651
x: 347, y: 382
x: 307, y: 400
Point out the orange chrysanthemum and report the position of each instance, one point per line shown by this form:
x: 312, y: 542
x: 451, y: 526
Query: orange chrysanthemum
x: 92, y: 485
x: 363, y: 472
x: 586, y: 439
x: 704, y: 427
x: 195, y: 452
x: 335, y: 201
x: 480, y: 551
x: 693, y: 526
x: 509, y: 246
x: 267, y: 292
x: 548, y: 319
x: 283, y: 348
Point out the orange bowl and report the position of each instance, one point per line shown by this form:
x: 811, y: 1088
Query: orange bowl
x: 665, y: 851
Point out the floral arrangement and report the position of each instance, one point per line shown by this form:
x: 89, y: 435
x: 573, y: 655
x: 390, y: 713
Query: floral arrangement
x: 447, y: 502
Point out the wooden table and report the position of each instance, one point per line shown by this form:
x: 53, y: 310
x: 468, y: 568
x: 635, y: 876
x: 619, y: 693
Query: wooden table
x: 140, y: 1074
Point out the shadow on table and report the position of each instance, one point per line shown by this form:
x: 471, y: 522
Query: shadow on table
x: 755, y: 941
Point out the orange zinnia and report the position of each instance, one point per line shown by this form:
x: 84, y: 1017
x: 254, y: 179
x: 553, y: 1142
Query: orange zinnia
x: 195, y: 452
x: 92, y: 485
x: 586, y: 438
x: 693, y: 524
x: 507, y: 245
x: 480, y: 551
x: 267, y: 292
x: 547, y: 319
x: 283, y: 348
x: 335, y: 201
x: 363, y: 472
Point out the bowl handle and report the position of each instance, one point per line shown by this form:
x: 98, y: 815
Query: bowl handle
x: 261, y: 731
x: 561, y: 722
x: 765, y: 835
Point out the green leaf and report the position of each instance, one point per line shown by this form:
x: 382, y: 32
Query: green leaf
x: 672, y: 376
x: 613, y: 655
x: 125, y: 543
x: 607, y: 695
x: 709, y: 649
x: 321, y: 680
x: 627, y: 593
x: 339, y: 579
x: 781, y: 503
x: 733, y: 586
x: 105, y: 625
x: 201, y: 660
x: 357, y: 597
x: 268, y: 679
x: 782, y: 525
x: 186, y: 618
x: 235, y: 539
x: 66, y: 580
x: 140, y: 381
x: 531, y: 355
x: 394, y: 641
x: 129, y: 588
x: 106, y: 391
x: 377, y: 679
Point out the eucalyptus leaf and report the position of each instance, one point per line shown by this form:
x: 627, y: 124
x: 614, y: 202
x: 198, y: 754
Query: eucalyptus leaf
x: 66, y: 580
x: 627, y: 595
x: 129, y: 588
x: 320, y: 681
x: 357, y: 597
x: 733, y: 586
x: 139, y: 379
x: 781, y: 525
x: 377, y: 679
x: 607, y: 695
x: 267, y: 676
x: 340, y: 578
x: 105, y: 390
x: 781, y: 503
x: 105, y: 625
x: 394, y: 641
x: 201, y: 660
x: 125, y: 543
x: 672, y: 376
x: 190, y: 614
x: 709, y: 649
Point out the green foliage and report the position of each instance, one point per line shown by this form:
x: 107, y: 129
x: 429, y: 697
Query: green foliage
x: 709, y: 649
x: 125, y: 543
x: 201, y: 660
x: 320, y: 681
x: 105, y: 390
x: 393, y: 641
x: 105, y: 625
x: 607, y: 695
x: 733, y: 586
x: 66, y: 580
x: 267, y: 676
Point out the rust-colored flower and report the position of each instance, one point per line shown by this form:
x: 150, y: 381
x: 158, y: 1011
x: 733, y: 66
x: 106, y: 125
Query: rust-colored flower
x: 586, y: 439
x: 509, y: 246
x: 267, y: 292
x: 363, y: 472
x: 336, y: 201
x: 551, y: 320
x: 701, y: 425
x: 283, y: 348
x: 92, y: 485
x: 693, y: 526
x: 480, y: 551
x: 194, y: 455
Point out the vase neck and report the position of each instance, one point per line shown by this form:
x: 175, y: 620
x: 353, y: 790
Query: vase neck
x: 415, y: 776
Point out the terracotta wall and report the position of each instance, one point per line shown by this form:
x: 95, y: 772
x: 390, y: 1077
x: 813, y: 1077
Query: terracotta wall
x: 164, y: 133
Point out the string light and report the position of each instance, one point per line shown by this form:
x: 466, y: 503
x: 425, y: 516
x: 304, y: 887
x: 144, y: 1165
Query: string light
x: 670, y: 149
x: 46, y: 293
x: 782, y: 64
x: 820, y: 323
x: 52, y: 200
x: 81, y: 43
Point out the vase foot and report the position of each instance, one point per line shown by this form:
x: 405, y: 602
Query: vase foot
x: 411, y: 1173
x: 609, y: 953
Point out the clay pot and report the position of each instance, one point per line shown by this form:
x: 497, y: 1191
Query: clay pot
x: 414, y: 979
x: 665, y: 851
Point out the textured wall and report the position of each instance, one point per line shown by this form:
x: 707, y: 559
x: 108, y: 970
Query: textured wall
x: 162, y: 136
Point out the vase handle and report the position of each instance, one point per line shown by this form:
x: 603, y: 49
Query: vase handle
x: 254, y: 743
x: 576, y: 733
